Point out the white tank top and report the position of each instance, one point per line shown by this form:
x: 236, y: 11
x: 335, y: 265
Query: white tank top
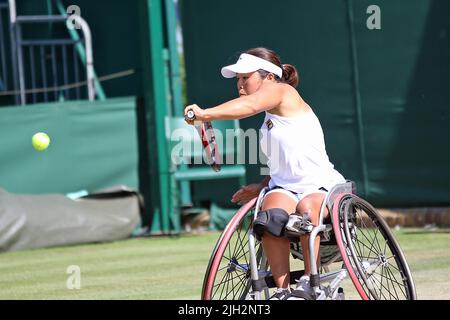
x: 296, y: 155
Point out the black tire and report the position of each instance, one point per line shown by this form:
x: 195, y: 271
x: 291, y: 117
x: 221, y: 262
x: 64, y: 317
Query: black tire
x: 228, y: 273
x: 374, y: 259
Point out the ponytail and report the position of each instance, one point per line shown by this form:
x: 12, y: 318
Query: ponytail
x: 290, y: 75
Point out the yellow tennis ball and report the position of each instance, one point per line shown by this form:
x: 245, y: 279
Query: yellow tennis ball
x: 40, y: 141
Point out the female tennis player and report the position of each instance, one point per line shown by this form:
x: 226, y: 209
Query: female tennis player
x: 293, y: 141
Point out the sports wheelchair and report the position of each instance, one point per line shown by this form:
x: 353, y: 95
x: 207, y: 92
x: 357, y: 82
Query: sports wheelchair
x: 357, y: 239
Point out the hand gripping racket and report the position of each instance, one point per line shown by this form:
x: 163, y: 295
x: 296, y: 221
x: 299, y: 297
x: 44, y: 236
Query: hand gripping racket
x: 206, y: 133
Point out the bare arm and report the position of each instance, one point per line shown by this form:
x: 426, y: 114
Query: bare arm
x: 269, y: 96
x: 248, y: 192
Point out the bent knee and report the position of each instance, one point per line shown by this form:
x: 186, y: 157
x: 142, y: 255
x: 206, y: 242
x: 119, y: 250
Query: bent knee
x: 271, y: 221
x: 311, y: 205
x: 311, y: 201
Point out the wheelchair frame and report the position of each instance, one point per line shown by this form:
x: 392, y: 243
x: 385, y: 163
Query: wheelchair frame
x: 259, y: 279
x: 336, y: 277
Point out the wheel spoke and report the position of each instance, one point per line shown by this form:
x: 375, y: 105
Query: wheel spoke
x: 243, y: 251
x: 393, y: 266
x: 369, y: 239
x: 225, y: 276
x: 243, y: 247
x: 386, y: 270
x: 239, y: 246
x: 231, y: 279
x: 401, y: 286
x: 375, y: 259
x: 381, y: 282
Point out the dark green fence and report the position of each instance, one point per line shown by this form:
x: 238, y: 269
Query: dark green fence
x: 381, y: 94
x: 93, y: 145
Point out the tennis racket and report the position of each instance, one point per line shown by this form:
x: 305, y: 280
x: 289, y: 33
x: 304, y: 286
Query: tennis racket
x: 206, y: 133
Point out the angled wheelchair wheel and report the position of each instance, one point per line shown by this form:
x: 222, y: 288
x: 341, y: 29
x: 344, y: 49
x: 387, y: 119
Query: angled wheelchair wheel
x: 228, y: 273
x: 371, y: 254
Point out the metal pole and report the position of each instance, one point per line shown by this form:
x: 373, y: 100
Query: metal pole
x: 65, y: 72
x: 33, y: 71
x: 43, y: 71
x: 12, y: 33
x: 75, y: 70
x: 54, y: 72
x: 2, y: 49
x: 157, y: 105
x: 312, y: 255
x: 175, y: 81
x: 356, y: 90
x: 176, y: 107
x: 81, y: 51
x: 89, y: 56
x: 253, y: 264
x: 12, y: 11
x: 22, y: 88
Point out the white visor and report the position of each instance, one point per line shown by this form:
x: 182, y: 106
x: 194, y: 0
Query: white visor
x: 248, y: 63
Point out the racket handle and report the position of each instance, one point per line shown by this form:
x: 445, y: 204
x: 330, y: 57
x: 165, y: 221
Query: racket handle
x: 190, y: 115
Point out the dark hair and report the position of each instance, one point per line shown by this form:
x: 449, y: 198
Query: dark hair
x: 290, y: 74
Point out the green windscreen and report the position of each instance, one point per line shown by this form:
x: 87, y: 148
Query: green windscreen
x: 381, y: 94
x: 93, y: 145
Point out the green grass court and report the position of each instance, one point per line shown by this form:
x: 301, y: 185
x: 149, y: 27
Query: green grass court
x: 173, y: 268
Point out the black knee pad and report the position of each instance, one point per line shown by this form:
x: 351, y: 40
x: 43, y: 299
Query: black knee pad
x: 272, y: 220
